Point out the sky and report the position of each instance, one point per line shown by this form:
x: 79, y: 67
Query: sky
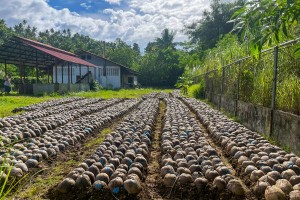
x: 134, y: 21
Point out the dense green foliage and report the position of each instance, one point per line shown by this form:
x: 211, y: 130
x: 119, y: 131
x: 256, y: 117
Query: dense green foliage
x: 160, y: 65
x: 257, y: 25
x: 212, y: 27
x: 267, y: 22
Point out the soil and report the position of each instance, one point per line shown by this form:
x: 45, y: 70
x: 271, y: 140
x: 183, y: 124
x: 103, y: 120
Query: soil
x: 151, y: 186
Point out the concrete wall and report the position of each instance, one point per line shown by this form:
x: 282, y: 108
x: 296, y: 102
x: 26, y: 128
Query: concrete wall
x: 255, y: 117
x: 287, y: 129
x: 286, y: 126
x: 39, y: 89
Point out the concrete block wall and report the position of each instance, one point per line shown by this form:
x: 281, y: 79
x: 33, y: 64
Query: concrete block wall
x: 286, y: 126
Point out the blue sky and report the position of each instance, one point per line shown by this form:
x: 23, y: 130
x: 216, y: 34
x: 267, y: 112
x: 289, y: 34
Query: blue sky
x: 83, y: 7
x: 134, y: 21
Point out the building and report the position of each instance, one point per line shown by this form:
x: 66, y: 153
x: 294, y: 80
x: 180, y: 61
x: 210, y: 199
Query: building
x: 56, y: 63
x: 108, y: 73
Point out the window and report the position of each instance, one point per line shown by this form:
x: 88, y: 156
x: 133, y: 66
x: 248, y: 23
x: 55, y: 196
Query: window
x: 88, y: 57
x: 83, y: 57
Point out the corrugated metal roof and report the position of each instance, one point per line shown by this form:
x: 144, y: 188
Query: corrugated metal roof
x: 55, y: 52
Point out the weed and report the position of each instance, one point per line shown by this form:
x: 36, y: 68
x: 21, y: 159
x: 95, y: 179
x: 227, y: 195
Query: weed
x: 99, y: 138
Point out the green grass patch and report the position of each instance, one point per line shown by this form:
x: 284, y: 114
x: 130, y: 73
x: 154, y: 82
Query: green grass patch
x: 122, y: 93
x: 99, y: 138
x: 9, y: 102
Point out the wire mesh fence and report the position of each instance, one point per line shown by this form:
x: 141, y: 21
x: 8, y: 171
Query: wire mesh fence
x: 271, y: 79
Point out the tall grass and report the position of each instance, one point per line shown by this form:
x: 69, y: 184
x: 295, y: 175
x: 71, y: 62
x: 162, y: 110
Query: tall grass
x: 255, y: 74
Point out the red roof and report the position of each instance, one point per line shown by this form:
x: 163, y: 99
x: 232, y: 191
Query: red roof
x: 55, y: 52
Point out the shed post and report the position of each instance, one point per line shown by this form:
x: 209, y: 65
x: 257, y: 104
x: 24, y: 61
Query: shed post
x: 71, y: 73
x: 88, y: 76
x: 37, y: 74
x: 68, y: 72
x: 48, y: 74
x: 5, y: 67
x: 36, y: 67
x: 62, y: 73
x: 80, y: 71
x: 95, y: 73
x: 21, y: 75
x: 56, y: 71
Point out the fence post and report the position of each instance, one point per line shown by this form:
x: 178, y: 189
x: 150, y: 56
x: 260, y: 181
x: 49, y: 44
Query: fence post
x: 274, y: 87
x: 204, y: 85
x: 222, y: 87
x: 237, y: 89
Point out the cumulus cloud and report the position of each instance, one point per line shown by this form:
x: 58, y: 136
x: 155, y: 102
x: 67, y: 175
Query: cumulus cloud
x: 140, y: 21
x: 85, y: 5
x: 118, y: 2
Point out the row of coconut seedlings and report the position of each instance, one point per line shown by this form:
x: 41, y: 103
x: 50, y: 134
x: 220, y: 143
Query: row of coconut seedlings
x: 120, y: 162
x: 28, y: 154
x: 270, y: 171
x: 39, y: 113
x: 37, y: 127
x: 150, y: 95
x: 188, y: 160
x: 59, y: 108
x: 45, y: 104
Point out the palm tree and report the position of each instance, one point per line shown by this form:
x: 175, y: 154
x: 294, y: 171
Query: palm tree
x: 166, y: 39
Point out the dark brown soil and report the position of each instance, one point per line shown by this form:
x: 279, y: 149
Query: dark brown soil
x: 151, y: 188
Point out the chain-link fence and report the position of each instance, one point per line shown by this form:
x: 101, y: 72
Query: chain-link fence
x: 271, y: 79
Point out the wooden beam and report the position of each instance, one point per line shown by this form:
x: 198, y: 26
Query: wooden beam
x: 88, y: 69
x: 37, y: 74
x: 71, y: 73
x: 5, y: 68
x: 21, y: 75
x: 56, y: 71
x: 68, y: 72
x: 79, y: 71
x: 62, y: 73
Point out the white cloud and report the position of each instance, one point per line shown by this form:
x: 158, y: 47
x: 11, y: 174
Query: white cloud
x: 84, y: 5
x: 140, y: 22
x: 118, y: 2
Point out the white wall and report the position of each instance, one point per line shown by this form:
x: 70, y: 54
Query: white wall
x: 112, y: 78
x: 75, y: 72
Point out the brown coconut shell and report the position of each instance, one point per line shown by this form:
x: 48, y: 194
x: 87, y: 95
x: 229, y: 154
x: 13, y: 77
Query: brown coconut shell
x: 274, y: 193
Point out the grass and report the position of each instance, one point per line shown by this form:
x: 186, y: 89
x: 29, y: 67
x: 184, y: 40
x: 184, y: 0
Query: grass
x: 48, y: 179
x: 122, y: 93
x: 9, y: 102
x: 99, y: 139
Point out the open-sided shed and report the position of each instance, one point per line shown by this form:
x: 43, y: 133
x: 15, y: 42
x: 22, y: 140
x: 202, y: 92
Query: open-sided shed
x: 25, y: 53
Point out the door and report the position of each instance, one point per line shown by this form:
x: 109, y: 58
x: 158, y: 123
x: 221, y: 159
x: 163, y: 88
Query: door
x: 130, y: 81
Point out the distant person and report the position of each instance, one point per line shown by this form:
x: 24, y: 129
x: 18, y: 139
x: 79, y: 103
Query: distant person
x: 7, y: 84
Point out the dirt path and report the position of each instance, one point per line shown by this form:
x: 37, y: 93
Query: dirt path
x: 151, y: 185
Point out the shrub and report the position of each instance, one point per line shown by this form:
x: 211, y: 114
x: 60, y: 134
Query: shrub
x: 197, y: 91
x: 95, y: 86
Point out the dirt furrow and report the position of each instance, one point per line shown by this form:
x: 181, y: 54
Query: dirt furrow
x: 151, y: 189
